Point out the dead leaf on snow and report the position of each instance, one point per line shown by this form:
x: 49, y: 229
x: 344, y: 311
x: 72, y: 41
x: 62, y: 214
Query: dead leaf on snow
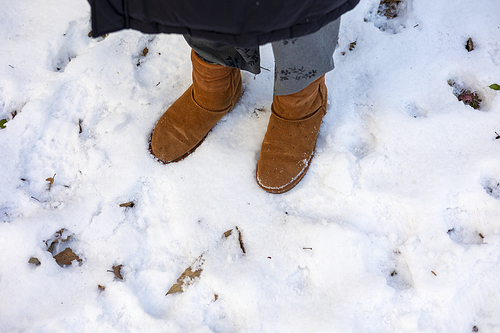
x: 34, y: 261
x: 54, y: 244
x: 101, y: 288
x: 144, y: 52
x: 176, y: 288
x: 51, y: 181
x: 186, y: 278
x: 389, y: 8
x: 117, y: 271
x: 57, y: 238
x: 128, y: 204
x: 240, y: 238
x: 66, y: 257
x: 470, y: 98
x: 469, y: 46
x: 467, y: 96
x: 103, y: 36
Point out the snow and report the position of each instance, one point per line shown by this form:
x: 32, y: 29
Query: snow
x: 395, y: 227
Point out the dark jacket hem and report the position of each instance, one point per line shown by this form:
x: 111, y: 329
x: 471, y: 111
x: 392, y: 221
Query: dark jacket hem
x: 120, y: 19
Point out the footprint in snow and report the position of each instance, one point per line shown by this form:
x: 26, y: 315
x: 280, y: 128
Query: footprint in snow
x: 359, y: 136
x: 492, y: 187
x: 472, y: 92
x: 398, y: 275
x: 414, y: 110
x: 389, y: 15
x: 465, y: 236
x: 460, y: 228
x: 68, y: 46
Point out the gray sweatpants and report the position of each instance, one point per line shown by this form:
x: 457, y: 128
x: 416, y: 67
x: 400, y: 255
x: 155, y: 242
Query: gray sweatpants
x: 298, y: 61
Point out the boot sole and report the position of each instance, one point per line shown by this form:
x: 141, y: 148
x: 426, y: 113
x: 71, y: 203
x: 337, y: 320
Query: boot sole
x: 287, y: 187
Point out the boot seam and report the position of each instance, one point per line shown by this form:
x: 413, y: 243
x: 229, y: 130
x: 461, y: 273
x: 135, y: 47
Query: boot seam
x: 298, y: 120
x: 308, y: 116
x: 226, y: 109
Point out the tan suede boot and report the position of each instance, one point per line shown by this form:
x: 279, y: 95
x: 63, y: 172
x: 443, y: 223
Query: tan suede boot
x: 289, y: 143
x: 182, y: 128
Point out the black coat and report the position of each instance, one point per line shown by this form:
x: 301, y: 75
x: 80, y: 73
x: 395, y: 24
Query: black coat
x: 241, y: 23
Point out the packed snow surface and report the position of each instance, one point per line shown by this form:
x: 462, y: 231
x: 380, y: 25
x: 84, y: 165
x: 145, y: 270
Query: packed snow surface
x: 395, y: 227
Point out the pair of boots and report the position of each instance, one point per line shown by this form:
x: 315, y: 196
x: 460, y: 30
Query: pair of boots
x: 288, y: 145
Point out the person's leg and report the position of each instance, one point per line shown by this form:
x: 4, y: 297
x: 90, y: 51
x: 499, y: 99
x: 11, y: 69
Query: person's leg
x: 300, y: 61
x: 299, y: 104
x: 247, y: 59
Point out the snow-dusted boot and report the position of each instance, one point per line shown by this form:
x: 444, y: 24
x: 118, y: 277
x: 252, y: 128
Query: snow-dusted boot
x: 182, y: 128
x: 289, y: 143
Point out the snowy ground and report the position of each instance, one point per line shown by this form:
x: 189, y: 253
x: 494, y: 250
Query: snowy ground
x: 395, y: 228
